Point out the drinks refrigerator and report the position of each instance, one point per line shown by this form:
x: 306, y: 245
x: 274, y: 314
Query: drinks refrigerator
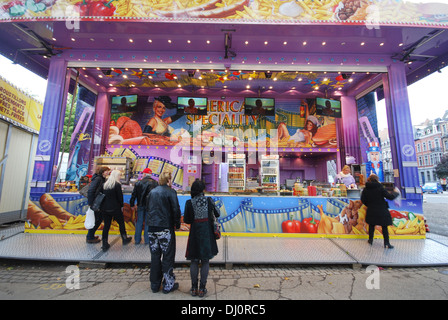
x: 237, y: 172
x: 270, y: 173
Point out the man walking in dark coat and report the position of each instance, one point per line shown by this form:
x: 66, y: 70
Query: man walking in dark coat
x: 163, y: 217
x: 141, y: 190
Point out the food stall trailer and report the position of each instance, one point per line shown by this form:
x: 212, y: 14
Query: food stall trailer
x: 283, y: 97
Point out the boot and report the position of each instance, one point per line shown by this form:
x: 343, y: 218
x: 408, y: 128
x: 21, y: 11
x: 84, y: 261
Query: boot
x: 194, y: 289
x: 126, y: 239
x: 96, y: 239
x: 388, y: 246
x: 105, y: 242
x: 105, y: 246
x: 202, y: 290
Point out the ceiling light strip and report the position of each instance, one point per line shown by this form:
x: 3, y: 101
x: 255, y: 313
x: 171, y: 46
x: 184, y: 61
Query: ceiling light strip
x: 307, y: 67
x: 144, y: 65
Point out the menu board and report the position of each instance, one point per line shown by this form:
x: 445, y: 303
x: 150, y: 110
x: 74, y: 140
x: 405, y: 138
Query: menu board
x: 140, y: 165
x: 156, y: 158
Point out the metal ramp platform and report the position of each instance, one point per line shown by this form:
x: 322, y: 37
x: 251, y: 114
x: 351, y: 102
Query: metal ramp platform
x: 432, y: 251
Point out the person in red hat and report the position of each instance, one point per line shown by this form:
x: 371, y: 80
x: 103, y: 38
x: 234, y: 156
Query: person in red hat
x: 140, y: 192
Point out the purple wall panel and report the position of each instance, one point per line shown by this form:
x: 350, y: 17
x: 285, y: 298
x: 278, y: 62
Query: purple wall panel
x: 350, y: 125
x: 400, y: 130
x: 51, y: 128
x: 101, y: 127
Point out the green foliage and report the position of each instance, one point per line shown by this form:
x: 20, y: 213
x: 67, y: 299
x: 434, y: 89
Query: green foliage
x: 442, y: 168
x: 66, y: 123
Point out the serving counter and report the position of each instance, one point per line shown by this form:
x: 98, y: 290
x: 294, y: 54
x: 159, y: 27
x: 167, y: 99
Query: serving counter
x: 247, y: 214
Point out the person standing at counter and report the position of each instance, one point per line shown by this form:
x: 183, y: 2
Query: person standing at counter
x: 200, y: 212
x: 140, y: 192
x: 346, y: 178
x: 377, y: 213
x: 97, y: 182
x: 163, y: 217
x: 112, y: 208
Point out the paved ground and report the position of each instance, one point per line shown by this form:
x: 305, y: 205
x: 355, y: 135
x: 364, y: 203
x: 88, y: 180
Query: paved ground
x: 52, y: 281
x: 248, y: 284
x: 436, y: 215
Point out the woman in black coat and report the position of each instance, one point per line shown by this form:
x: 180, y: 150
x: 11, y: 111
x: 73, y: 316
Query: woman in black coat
x: 112, y: 208
x: 200, y: 212
x: 377, y: 208
x: 95, y: 186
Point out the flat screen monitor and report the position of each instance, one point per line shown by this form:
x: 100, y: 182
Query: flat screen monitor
x: 192, y: 105
x: 328, y: 107
x: 124, y: 103
x: 259, y: 106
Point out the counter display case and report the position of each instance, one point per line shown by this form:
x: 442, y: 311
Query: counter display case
x: 316, y: 216
x: 123, y: 164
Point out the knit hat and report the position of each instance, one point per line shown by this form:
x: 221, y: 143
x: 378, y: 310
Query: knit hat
x: 147, y: 170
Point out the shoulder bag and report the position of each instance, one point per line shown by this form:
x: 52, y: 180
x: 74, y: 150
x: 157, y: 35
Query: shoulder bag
x: 99, y: 198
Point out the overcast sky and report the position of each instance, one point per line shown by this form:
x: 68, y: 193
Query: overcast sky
x: 23, y: 79
x: 426, y: 97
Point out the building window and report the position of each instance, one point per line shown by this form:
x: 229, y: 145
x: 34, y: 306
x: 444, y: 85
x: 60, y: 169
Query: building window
x: 428, y: 175
x: 424, y: 146
x: 418, y: 147
x: 420, y: 161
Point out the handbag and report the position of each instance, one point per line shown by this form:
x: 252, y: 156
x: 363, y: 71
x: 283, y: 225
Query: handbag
x: 89, y: 223
x: 84, y: 190
x: 217, y: 230
x: 98, y: 201
x: 216, y: 225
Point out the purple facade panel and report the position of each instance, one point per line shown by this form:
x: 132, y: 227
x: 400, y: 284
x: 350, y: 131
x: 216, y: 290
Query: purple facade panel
x: 51, y: 128
x: 350, y: 125
x: 101, y: 126
x: 400, y: 131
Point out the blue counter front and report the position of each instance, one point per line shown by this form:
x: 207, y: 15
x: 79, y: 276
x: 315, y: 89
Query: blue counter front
x: 245, y: 214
